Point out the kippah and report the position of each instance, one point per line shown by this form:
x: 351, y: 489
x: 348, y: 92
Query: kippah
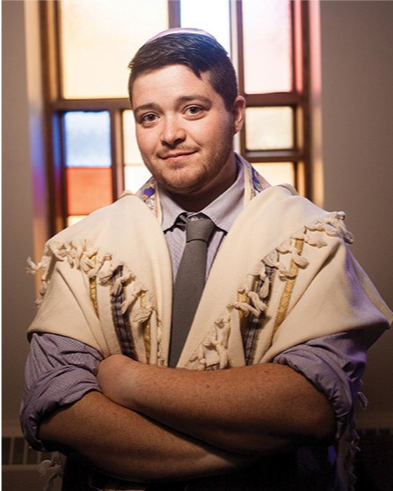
x: 180, y: 30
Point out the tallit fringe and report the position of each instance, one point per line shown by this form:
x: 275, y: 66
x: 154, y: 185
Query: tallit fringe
x: 80, y: 254
x: 352, y: 441
x: 257, y: 302
x: 83, y: 255
x: 53, y: 468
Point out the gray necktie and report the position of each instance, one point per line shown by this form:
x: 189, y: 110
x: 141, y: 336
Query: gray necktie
x: 189, y: 284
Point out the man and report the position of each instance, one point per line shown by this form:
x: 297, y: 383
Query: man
x: 256, y: 392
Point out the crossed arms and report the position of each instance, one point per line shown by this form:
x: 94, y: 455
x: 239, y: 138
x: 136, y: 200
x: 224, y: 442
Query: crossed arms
x: 156, y: 424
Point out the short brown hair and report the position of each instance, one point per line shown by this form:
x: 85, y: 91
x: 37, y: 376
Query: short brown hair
x: 202, y: 54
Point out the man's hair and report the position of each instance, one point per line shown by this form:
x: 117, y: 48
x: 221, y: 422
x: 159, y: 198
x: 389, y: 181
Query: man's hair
x: 200, y: 53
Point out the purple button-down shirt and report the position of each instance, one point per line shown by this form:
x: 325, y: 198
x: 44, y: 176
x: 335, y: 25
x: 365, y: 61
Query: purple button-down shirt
x: 61, y: 370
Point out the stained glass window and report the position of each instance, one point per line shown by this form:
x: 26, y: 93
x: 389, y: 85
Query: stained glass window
x: 87, y: 139
x: 217, y: 22
x: 88, y: 190
x: 269, y: 128
x: 87, y: 157
x: 98, y: 40
x: 135, y: 172
x: 277, y: 173
x: 267, y: 46
x: 90, y: 44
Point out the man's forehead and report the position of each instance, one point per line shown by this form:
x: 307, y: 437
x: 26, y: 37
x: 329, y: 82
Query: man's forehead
x: 173, y: 77
x: 171, y: 82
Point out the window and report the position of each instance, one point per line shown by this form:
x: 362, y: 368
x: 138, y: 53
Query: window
x: 92, y: 151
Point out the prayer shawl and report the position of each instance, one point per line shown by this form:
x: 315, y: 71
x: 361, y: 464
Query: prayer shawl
x: 282, y: 276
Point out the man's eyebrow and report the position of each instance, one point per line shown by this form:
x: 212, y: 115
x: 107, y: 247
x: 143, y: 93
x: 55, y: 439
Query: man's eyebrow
x: 151, y: 106
x: 146, y: 107
x: 194, y: 97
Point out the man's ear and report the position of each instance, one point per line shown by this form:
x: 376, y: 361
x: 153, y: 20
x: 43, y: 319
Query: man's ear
x: 238, y: 112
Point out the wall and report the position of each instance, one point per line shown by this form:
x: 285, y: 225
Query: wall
x: 357, y: 130
x: 357, y: 44
x: 23, y: 217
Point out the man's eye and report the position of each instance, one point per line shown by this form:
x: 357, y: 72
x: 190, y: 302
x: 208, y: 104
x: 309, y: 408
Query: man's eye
x: 193, y: 110
x: 148, y: 118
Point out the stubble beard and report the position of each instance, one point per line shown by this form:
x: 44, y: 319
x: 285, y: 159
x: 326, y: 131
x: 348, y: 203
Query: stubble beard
x: 210, y: 170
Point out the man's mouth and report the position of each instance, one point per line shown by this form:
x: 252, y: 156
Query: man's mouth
x: 173, y: 156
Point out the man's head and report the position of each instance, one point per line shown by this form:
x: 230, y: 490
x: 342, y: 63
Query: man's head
x: 187, y: 110
x: 194, y: 49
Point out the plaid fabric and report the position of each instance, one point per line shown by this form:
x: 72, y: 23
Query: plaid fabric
x: 253, y: 325
x: 121, y: 321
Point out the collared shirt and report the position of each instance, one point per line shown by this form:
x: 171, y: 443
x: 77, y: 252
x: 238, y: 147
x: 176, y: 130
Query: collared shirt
x: 222, y: 211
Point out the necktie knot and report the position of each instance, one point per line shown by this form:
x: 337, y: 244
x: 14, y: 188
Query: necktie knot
x: 199, y: 229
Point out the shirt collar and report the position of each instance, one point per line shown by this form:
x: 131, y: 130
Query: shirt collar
x: 222, y: 211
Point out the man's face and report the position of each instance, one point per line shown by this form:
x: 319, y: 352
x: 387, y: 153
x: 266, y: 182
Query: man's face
x: 185, y: 133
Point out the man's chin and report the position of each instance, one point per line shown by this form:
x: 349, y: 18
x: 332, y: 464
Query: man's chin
x: 184, y: 189
x: 183, y: 186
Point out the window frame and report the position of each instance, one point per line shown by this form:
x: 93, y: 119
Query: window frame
x: 55, y: 105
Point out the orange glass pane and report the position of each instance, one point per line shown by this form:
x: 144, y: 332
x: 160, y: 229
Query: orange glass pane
x: 267, y: 46
x: 88, y: 190
x: 269, y: 128
x: 277, y: 173
x: 98, y: 40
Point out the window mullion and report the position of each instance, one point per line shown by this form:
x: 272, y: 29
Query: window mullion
x: 174, y: 13
x: 238, y: 12
x: 117, y: 153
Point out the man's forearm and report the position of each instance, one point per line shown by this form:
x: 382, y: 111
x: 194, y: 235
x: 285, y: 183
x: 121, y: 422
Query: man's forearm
x: 264, y: 408
x: 123, y: 444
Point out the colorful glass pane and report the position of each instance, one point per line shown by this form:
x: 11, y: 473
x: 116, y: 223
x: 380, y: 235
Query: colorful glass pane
x: 135, y: 176
x: 269, y: 128
x: 98, y: 40
x: 131, y: 150
x: 277, y: 173
x: 135, y: 172
x: 87, y: 139
x: 88, y: 190
x: 267, y: 46
x: 73, y: 219
x: 211, y: 16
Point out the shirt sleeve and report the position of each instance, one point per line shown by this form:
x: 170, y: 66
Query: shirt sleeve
x: 59, y: 371
x: 335, y: 365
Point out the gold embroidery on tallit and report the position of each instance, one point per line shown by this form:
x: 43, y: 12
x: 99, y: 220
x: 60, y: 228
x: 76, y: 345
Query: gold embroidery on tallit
x: 287, y: 293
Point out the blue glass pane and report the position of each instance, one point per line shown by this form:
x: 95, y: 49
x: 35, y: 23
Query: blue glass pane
x: 87, y: 139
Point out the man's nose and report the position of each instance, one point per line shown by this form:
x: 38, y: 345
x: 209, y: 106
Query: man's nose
x: 173, y: 132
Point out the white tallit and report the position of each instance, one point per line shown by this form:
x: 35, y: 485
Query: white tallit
x: 284, y: 269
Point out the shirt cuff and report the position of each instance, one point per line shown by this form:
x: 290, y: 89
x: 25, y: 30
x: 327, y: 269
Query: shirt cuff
x: 53, y: 390
x: 324, y: 370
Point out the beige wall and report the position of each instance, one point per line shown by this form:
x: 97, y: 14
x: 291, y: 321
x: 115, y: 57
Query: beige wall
x: 20, y: 154
x: 357, y: 81
x: 357, y: 135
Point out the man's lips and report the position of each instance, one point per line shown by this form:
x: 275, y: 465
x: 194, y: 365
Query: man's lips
x: 177, y: 155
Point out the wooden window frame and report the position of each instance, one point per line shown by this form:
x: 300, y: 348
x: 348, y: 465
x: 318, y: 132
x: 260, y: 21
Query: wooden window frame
x: 55, y: 106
